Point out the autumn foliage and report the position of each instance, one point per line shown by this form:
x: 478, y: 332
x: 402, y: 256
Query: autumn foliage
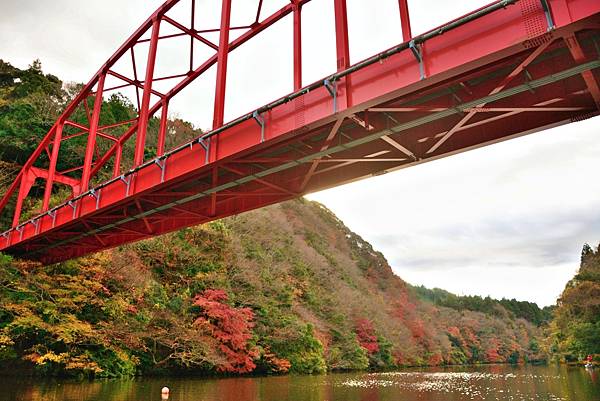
x: 575, y: 330
x: 230, y: 327
x: 365, y: 333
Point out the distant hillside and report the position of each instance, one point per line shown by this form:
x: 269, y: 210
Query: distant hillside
x: 285, y: 288
x: 529, y: 311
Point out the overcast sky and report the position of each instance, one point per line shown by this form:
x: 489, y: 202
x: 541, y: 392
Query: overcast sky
x: 507, y: 220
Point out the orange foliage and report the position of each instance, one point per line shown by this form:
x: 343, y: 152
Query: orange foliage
x: 435, y: 359
x: 416, y: 327
x: 491, y: 354
x: 277, y: 365
x: 454, y: 332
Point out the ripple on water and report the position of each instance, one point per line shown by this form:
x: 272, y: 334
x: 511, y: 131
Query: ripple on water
x: 471, y: 385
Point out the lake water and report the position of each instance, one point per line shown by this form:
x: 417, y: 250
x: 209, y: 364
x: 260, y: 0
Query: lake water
x: 490, y: 383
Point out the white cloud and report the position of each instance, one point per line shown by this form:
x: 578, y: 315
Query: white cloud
x: 490, y: 221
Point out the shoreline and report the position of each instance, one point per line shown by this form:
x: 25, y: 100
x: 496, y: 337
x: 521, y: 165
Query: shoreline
x: 183, y: 375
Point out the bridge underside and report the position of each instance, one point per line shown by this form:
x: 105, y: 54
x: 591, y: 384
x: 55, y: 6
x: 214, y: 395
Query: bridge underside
x: 497, y: 80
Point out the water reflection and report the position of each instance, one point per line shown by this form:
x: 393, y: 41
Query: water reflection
x: 487, y: 383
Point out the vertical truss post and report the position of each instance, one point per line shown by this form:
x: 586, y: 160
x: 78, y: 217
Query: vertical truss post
x: 140, y: 142
x: 219, y: 109
x: 405, y: 20
x: 297, y: 46
x: 192, y: 27
x: 52, y: 167
x: 91, y: 142
x: 162, y: 131
x: 342, y: 48
x: 341, y: 35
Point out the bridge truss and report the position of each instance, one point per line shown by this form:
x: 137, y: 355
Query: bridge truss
x: 508, y: 69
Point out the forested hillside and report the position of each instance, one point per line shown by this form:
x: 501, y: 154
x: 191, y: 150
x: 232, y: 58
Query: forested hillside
x: 287, y: 287
x: 575, y: 330
x: 284, y: 288
x: 517, y: 309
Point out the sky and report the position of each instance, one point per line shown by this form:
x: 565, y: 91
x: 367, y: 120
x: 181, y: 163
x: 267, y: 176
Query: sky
x: 507, y: 220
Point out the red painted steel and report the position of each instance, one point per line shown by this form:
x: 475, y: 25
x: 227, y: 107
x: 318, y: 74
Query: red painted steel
x: 162, y: 133
x: 93, y: 130
x: 222, y: 56
x: 140, y: 143
x: 297, y: 45
x: 405, y: 20
x: 52, y: 168
x: 505, y: 70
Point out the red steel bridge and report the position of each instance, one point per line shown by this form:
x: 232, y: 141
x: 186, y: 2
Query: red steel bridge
x: 511, y: 68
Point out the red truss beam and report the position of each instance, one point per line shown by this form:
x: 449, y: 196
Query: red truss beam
x: 508, y: 69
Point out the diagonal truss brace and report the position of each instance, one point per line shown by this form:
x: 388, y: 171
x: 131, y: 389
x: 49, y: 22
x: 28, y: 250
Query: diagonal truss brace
x: 520, y: 68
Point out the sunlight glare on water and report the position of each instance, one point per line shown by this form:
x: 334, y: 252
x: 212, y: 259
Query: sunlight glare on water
x: 469, y: 385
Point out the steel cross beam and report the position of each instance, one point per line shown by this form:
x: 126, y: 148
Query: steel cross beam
x: 511, y: 113
x: 519, y: 69
x: 326, y: 143
x: 264, y: 182
x: 588, y: 77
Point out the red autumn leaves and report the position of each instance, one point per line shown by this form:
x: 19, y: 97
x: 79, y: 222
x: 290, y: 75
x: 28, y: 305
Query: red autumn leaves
x: 365, y: 334
x: 230, y: 327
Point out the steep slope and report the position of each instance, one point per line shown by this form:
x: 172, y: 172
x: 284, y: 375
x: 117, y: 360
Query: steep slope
x: 288, y: 287
x: 575, y: 330
x: 285, y: 288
